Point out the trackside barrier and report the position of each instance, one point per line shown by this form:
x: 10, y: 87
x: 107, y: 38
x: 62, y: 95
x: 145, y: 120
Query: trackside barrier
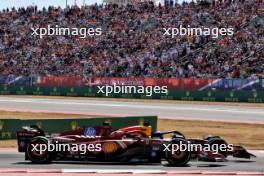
x: 9, y: 127
x: 208, y: 95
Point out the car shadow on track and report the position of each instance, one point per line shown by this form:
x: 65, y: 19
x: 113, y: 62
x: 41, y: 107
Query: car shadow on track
x: 85, y: 163
x: 242, y: 161
x: 197, y: 165
x: 115, y: 164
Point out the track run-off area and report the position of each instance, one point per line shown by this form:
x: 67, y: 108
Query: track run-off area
x: 125, y: 107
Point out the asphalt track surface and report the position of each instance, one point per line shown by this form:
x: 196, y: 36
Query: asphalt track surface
x: 166, y: 109
x: 13, y: 159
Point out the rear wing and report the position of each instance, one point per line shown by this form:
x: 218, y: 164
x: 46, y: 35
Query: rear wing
x: 26, y: 134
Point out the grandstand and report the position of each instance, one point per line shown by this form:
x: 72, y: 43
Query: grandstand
x: 132, y: 43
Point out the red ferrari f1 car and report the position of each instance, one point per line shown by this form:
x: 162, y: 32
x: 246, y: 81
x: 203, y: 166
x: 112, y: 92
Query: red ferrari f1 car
x: 129, y: 144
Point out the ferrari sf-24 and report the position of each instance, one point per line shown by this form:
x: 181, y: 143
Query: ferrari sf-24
x: 133, y: 144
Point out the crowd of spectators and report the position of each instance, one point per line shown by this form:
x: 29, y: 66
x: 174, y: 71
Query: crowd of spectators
x: 132, y: 41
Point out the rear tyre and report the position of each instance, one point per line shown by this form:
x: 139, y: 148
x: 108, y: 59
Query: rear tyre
x: 179, y: 157
x: 33, y: 151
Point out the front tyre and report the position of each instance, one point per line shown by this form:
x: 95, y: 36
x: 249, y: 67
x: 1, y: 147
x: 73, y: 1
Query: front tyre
x: 36, y: 152
x: 178, y: 157
x: 217, y: 143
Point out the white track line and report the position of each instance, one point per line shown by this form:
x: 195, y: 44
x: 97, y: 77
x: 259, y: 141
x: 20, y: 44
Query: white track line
x: 115, y: 171
x: 129, y: 171
x: 154, y: 171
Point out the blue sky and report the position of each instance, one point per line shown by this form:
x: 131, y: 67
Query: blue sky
x: 41, y: 3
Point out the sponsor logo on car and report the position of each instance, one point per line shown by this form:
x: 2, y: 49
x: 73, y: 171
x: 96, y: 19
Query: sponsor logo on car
x: 109, y: 147
x: 90, y: 132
